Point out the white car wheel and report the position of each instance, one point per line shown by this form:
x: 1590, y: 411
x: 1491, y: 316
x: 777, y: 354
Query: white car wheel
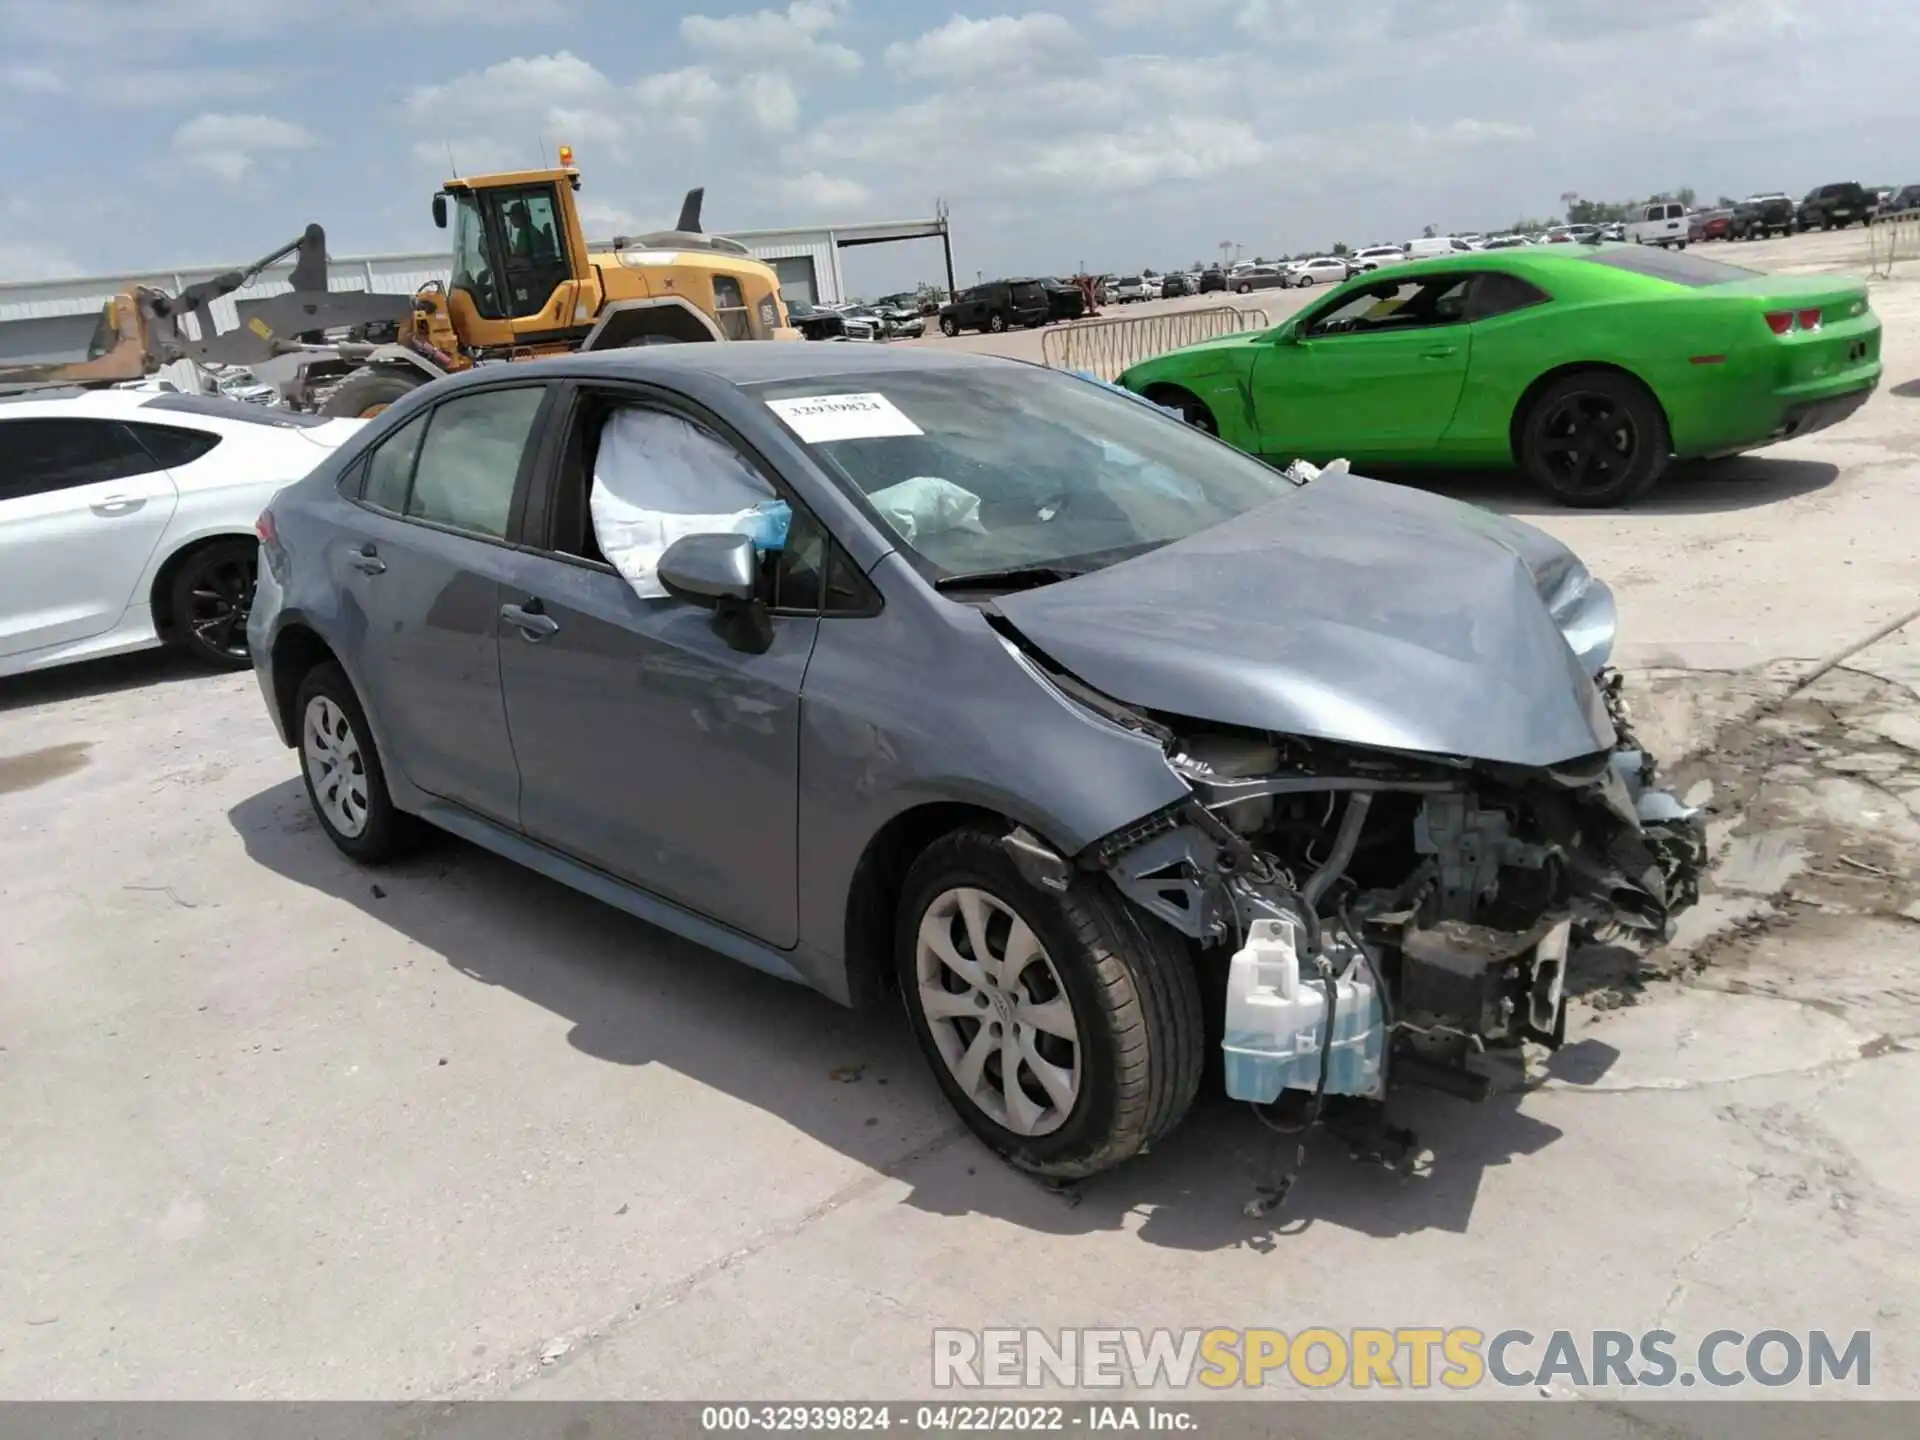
x: 336, y: 766
x: 998, y: 1012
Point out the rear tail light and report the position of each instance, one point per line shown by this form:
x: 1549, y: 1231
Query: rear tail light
x: 263, y: 527
x: 1785, y: 322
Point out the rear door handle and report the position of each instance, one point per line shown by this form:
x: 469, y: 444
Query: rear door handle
x: 118, y: 505
x: 367, y: 560
x: 530, y: 619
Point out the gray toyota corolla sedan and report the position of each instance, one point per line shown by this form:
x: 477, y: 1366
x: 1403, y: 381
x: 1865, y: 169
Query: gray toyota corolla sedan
x: 1099, y: 743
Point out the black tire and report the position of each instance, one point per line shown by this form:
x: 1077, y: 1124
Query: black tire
x: 364, y: 395
x: 1626, y: 446
x: 209, y: 599
x: 1134, y: 995
x: 1304, y: 281
x: 949, y: 327
x: 1192, y: 409
x: 387, y: 832
x: 997, y: 322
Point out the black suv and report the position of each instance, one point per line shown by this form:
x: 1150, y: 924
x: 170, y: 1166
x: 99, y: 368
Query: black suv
x: 997, y: 305
x: 1212, y: 278
x: 1759, y: 216
x: 1065, y: 300
x: 1834, y: 206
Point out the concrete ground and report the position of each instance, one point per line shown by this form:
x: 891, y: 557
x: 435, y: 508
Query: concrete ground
x: 272, y: 1126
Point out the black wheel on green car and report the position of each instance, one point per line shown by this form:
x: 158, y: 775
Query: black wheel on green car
x: 1065, y: 1029
x: 1192, y: 408
x: 1594, y: 439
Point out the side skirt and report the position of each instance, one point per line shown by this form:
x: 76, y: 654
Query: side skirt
x: 617, y: 893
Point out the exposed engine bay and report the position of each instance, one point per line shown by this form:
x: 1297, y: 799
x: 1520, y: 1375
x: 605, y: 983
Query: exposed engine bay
x: 1390, y: 914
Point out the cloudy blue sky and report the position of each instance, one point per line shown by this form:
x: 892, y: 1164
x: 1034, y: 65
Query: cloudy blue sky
x: 148, y: 133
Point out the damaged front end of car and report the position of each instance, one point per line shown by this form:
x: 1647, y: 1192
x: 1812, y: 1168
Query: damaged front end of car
x: 1390, y: 915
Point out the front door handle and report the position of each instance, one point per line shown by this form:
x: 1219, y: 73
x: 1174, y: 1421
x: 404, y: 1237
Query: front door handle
x: 530, y: 619
x: 367, y: 560
x: 118, y: 505
x: 1441, y: 352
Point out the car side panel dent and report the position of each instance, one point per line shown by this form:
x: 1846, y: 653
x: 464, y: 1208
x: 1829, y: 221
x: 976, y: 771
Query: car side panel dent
x: 931, y: 728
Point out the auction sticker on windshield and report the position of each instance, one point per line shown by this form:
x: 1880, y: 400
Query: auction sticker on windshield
x: 818, y: 419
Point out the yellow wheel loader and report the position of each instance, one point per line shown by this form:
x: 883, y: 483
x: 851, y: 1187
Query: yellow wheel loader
x: 523, y: 285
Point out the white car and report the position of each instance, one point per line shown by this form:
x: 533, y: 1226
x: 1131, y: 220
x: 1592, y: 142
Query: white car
x: 127, y: 519
x: 1321, y: 270
x: 1660, y: 224
x: 1374, y: 256
x: 1129, y: 288
x: 1431, y: 247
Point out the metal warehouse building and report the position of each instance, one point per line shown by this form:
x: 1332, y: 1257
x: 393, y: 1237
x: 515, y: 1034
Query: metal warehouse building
x: 52, y: 320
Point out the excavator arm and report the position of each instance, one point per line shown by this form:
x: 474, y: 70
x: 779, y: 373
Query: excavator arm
x: 142, y: 328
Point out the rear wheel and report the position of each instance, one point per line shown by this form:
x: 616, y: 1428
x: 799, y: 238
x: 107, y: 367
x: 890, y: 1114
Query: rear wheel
x: 1065, y: 1030
x: 1243, y: 288
x: 346, y: 783
x: 1594, y: 439
x: 366, y: 394
x: 211, y: 597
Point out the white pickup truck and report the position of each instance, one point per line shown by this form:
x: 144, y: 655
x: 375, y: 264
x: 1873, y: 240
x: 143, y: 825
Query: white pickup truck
x: 1662, y: 223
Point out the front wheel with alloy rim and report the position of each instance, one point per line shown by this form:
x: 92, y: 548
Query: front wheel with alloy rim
x: 996, y: 322
x: 949, y: 326
x: 1066, y: 1030
x: 211, y: 597
x: 345, y: 781
x: 1594, y: 439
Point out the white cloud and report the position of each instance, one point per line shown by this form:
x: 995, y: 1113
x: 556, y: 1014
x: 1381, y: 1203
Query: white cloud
x: 771, y: 101
x: 999, y: 46
x: 144, y: 25
x: 817, y: 194
x: 788, y: 39
x: 32, y: 80
x: 35, y: 262
x: 229, y: 146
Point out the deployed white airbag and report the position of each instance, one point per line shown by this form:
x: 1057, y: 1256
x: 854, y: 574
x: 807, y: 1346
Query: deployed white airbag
x: 927, y: 505
x: 659, y: 477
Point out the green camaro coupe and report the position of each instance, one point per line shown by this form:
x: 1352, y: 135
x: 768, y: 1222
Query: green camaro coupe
x: 1589, y: 367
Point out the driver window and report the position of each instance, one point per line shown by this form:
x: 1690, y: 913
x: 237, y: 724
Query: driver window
x: 650, y: 476
x: 1405, y: 305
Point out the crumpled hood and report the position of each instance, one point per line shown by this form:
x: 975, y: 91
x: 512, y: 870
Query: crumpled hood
x: 1347, y: 610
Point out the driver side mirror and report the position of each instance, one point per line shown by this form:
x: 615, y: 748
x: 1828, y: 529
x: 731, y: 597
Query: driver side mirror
x: 1288, y: 334
x: 720, y: 573
x: 440, y: 210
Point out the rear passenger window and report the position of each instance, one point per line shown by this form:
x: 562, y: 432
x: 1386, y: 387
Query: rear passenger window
x: 470, y: 460
x: 171, y: 446
x: 64, y: 453
x: 1497, y: 293
x: 390, y: 472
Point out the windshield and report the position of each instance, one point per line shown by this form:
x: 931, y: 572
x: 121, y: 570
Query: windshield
x: 1013, y: 466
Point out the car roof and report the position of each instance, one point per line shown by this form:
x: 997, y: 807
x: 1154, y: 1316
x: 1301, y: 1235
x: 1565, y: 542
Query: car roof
x: 751, y: 362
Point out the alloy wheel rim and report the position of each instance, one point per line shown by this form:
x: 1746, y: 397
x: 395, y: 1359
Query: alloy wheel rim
x: 998, y: 1012
x: 1588, y: 442
x: 335, y: 766
x: 220, y: 602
